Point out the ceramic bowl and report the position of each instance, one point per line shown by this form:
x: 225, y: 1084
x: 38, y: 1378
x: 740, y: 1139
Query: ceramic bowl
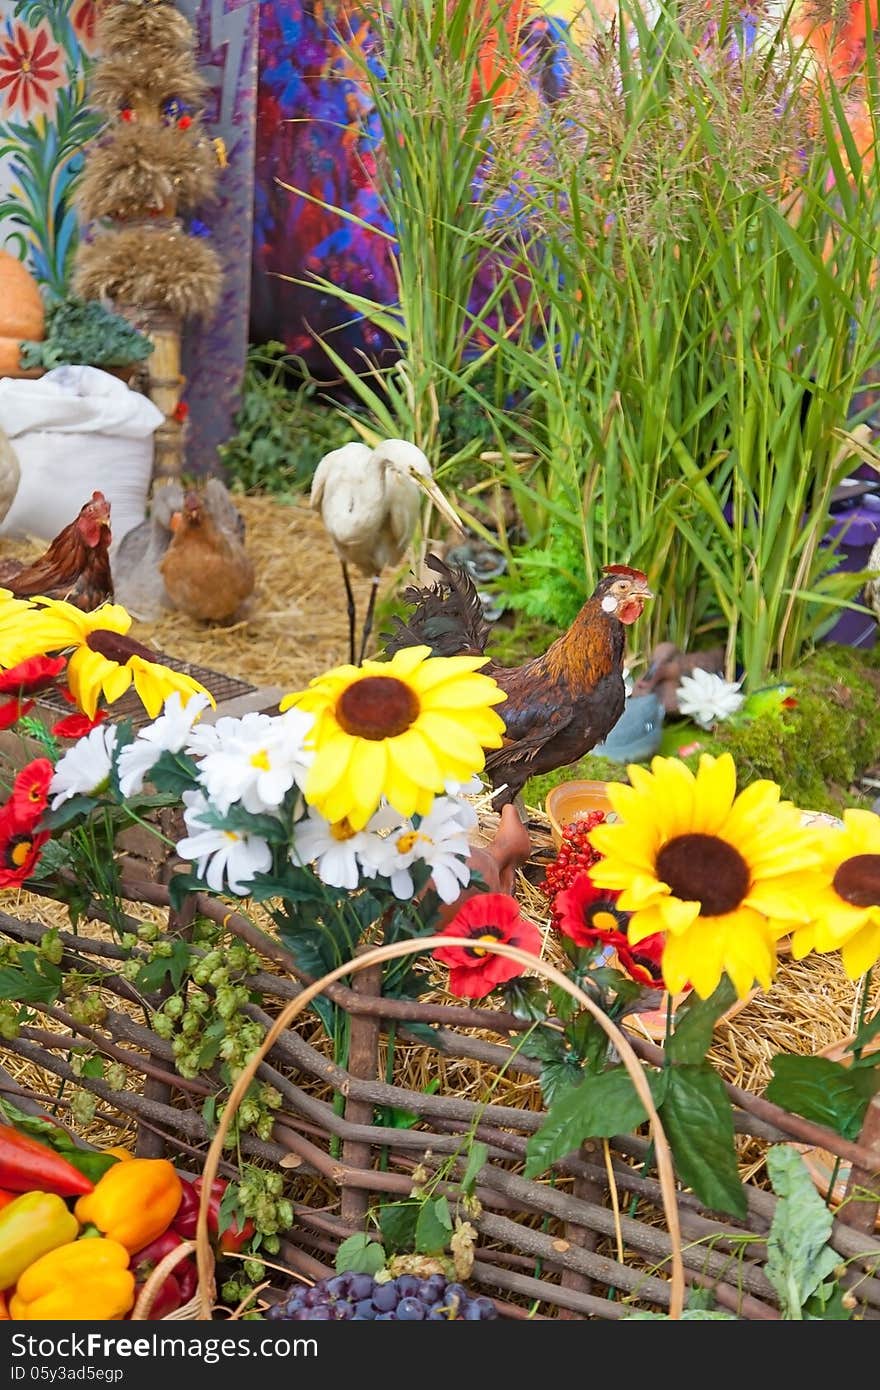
x: 572, y: 801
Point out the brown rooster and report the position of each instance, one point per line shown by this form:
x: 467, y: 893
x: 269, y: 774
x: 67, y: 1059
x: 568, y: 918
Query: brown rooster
x: 559, y: 705
x: 207, y: 571
x: 76, y: 566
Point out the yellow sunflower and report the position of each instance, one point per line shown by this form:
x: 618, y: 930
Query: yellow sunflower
x: 400, y: 729
x: 104, y: 660
x: 723, y: 876
x: 845, y: 896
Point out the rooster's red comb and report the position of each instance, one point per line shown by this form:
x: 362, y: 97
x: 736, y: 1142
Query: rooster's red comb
x: 626, y: 570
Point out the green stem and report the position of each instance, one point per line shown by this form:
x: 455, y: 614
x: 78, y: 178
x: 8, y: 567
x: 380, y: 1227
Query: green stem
x: 863, y: 1008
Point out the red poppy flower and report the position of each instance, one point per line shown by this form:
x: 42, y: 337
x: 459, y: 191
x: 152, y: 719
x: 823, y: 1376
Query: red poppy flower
x: 30, y: 792
x: 37, y: 673
x: 20, y: 847
x: 590, y: 917
x: 78, y: 725
x: 30, y: 69
x: 12, y: 711
x: 474, y: 971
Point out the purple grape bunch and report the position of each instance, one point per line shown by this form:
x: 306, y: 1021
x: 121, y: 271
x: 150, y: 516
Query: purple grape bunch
x: 354, y: 1297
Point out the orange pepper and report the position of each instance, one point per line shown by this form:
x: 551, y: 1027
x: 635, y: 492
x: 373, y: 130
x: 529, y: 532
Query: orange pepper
x: 134, y: 1202
x: 119, y: 1152
x: 4, y: 1311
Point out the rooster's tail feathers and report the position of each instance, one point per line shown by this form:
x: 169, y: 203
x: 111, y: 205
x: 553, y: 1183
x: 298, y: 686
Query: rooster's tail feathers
x: 447, y: 616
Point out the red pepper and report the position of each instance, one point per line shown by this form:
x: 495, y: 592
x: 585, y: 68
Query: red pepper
x: 26, y: 1165
x: 232, y: 1238
x: 179, y: 1285
x: 7, y: 1197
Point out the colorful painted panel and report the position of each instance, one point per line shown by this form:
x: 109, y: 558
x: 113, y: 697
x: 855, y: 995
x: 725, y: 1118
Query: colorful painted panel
x: 45, y: 48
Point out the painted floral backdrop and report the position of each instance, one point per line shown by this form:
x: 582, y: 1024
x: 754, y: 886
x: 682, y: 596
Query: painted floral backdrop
x: 45, y: 50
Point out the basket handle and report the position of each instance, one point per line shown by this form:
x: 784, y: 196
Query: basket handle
x: 394, y: 951
x: 147, y: 1296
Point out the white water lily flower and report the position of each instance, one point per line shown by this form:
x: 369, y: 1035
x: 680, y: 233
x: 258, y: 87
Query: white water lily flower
x: 85, y: 768
x: 167, y: 734
x: 332, y: 848
x: 255, y: 760
x: 708, y: 698
x: 440, y: 840
x: 219, y: 855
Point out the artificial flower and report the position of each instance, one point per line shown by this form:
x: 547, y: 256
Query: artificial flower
x: 721, y: 875
x: 333, y: 848
x: 84, y: 770
x: 439, y: 839
x: 28, y: 677
x: 30, y: 791
x: 167, y: 734
x: 224, y: 858
x: 78, y: 725
x: 845, y: 895
x: 13, y: 710
x: 487, y: 917
x: 104, y: 660
x: 708, y: 698
x: 256, y: 761
x: 397, y: 729
x: 20, y: 847
x: 590, y: 916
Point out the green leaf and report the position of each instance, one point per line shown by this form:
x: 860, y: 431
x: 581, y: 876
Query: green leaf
x: 603, y: 1104
x: 359, y: 1255
x: 476, y: 1158
x: 433, y: 1227
x: 93, y: 1066
x: 799, y: 1258
x: 828, y: 1093
x: 69, y: 811
x: 211, y: 1039
x: 698, y: 1121
x: 397, y: 1222
x: 866, y: 1034
x: 180, y: 886
x: 526, y: 999
x: 174, y: 772
x: 558, y: 1078
x: 544, y: 1044
x: 153, y: 973
x: 695, y: 1023
x: 33, y: 980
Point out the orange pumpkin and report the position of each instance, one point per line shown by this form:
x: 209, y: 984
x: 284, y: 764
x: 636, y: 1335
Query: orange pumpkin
x: 22, y: 313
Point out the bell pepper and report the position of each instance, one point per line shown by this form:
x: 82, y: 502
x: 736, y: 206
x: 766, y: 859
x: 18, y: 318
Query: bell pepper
x: 4, y: 1310
x: 133, y: 1202
x: 118, y: 1151
x: 232, y: 1238
x: 26, y: 1165
x: 31, y: 1226
x: 179, y: 1286
x: 7, y: 1197
x: 86, y: 1281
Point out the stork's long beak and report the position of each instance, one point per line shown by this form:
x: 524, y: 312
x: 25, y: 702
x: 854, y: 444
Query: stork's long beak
x: 443, y: 505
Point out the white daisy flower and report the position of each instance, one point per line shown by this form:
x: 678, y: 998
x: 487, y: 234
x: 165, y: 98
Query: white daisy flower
x: 708, y: 698
x: 440, y: 840
x: 85, y: 768
x: 332, y: 848
x: 256, y: 761
x: 219, y: 855
x: 167, y: 734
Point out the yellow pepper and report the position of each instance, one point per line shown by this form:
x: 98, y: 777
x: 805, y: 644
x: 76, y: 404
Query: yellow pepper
x: 86, y: 1281
x: 133, y: 1202
x: 119, y: 1152
x: 31, y: 1226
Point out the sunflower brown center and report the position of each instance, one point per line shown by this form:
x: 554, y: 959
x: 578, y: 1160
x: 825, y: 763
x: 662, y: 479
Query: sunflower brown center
x: 117, y: 647
x: 857, y: 880
x: 490, y: 934
x: 704, y: 869
x: 377, y: 707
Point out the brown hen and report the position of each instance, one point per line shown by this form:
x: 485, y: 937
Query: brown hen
x: 559, y: 705
x: 76, y: 566
x: 207, y: 571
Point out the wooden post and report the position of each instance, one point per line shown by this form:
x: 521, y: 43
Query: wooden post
x: 860, y: 1212
x: 581, y: 1236
x: 363, y: 1063
x: 166, y: 383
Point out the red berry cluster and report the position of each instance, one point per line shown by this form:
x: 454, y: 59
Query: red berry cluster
x: 575, y: 854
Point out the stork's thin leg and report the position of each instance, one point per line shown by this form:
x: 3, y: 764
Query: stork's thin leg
x: 351, y: 614
x: 368, y: 620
